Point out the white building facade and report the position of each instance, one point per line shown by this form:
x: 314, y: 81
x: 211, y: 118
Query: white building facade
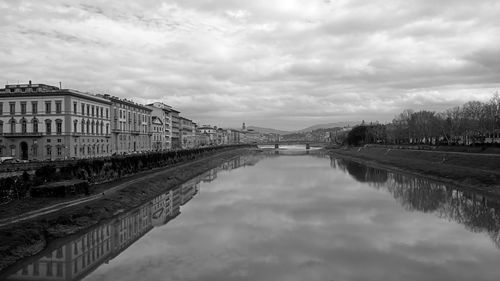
x: 42, y: 122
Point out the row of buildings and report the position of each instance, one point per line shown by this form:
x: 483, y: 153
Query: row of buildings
x: 43, y: 122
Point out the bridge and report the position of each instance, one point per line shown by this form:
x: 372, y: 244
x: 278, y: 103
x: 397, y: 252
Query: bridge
x: 307, y: 144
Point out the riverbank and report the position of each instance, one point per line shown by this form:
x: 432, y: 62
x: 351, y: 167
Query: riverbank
x: 29, y: 237
x: 478, y: 171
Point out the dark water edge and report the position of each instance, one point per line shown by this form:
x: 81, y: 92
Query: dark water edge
x: 103, y: 243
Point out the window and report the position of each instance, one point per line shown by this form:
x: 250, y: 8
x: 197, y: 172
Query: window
x: 75, y: 126
x: 107, y: 129
x: 92, y: 127
x: 1, y: 108
x: 59, y: 151
x: 34, y: 107
x: 23, y: 108
x: 92, y: 111
x: 88, y: 110
x: 58, y: 107
x: 59, y: 253
x: 1, y: 128
x: 48, y: 107
x: 74, y: 108
x: 36, y: 269
x: 76, y: 153
x: 49, y: 150
x: 101, y: 112
x: 59, y: 269
x: 48, y: 128
x: 12, y: 108
x: 59, y: 127
x: 107, y: 112
x: 35, y: 126
x: 88, y: 127
x: 83, y: 109
x: 13, y: 126
x: 83, y: 127
x: 24, y: 127
x: 35, y: 150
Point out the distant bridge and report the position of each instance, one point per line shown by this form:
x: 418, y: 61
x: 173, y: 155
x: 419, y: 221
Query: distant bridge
x: 307, y: 144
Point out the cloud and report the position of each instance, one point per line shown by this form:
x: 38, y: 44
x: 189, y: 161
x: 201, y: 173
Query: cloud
x: 263, y: 63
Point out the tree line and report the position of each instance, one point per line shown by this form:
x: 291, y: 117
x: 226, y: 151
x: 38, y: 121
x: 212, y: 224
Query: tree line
x: 100, y: 170
x: 473, y: 123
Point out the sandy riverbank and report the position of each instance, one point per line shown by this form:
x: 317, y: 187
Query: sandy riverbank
x: 27, y: 238
x: 477, y: 171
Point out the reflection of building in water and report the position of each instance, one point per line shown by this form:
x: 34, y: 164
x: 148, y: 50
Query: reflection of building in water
x: 73, y: 260
x: 77, y: 258
x: 188, y: 191
x: 80, y: 256
x: 131, y: 226
x: 209, y: 176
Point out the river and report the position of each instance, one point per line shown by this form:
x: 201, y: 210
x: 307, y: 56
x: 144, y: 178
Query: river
x: 288, y: 215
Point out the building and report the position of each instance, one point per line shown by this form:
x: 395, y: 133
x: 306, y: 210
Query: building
x: 176, y: 129
x: 157, y: 133
x: 209, y: 133
x: 42, y: 122
x: 163, y: 113
x: 187, y: 132
x: 130, y: 126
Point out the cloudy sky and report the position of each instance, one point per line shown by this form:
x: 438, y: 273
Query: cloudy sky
x: 286, y: 64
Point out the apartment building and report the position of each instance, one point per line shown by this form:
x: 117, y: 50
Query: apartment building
x: 176, y: 129
x: 43, y: 122
x: 187, y: 133
x: 163, y: 113
x: 130, y: 126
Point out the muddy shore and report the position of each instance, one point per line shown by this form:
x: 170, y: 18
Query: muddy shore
x: 471, y: 171
x: 27, y: 238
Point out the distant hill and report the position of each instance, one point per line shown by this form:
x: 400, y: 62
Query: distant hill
x: 329, y: 125
x: 308, y: 129
x: 267, y: 130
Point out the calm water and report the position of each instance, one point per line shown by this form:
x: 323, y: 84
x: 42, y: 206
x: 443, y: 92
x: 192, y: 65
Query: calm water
x: 288, y: 217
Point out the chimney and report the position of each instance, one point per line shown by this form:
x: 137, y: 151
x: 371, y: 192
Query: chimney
x: 30, y: 83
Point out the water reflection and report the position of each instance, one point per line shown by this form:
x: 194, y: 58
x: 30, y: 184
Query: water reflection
x: 477, y: 212
x: 289, y: 217
x: 74, y: 258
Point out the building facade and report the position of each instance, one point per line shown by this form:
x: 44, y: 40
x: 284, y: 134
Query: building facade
x: 187, y: 133
x: 176, y: 129
x: 130, y: 126
x: 163, y: 113
x: 42, y: 122
x: 157, y: 133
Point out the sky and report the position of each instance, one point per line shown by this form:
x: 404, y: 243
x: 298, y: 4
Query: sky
x: 285, y: 64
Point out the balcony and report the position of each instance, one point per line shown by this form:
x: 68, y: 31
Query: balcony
x: 135, y: 132
x: 23, y: 135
